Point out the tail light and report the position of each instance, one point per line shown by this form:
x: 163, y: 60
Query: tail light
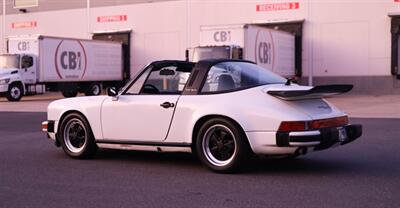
x: 293, y: 126
x: 331, y: 122
x: 287, y: 126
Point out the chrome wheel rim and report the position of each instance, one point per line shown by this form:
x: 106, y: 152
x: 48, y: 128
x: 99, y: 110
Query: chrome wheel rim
x: 219, y: 145
x: 75, y: 135
x: 15, y: 92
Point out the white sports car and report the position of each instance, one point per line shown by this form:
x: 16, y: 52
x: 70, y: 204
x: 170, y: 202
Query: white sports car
x: 221, y: 110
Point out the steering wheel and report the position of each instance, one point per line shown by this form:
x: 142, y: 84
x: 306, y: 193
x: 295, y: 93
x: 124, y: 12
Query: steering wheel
x: 150, y: 89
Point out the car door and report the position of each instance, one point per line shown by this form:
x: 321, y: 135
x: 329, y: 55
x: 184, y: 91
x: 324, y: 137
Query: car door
x: 145, y: 110
x: 28, y: 69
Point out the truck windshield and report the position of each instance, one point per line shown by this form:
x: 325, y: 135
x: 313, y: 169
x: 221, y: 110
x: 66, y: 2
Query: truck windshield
x: 9, y: 61
x: 200, y: 53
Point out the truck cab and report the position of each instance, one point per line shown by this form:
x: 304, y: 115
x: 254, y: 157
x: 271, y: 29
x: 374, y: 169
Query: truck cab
x: 17, y: 72
x: 217, y: 52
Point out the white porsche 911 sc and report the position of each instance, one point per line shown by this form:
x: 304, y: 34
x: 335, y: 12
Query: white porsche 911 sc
x: 221, y: 110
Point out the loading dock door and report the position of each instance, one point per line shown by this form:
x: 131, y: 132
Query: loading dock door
x: 296, y: 28
x: 125, y: 38
x: 395, y: 60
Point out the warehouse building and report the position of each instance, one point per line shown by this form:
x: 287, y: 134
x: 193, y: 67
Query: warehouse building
x: 336, y: 41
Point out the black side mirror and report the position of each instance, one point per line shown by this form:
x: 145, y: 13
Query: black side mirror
x: 112, y: 91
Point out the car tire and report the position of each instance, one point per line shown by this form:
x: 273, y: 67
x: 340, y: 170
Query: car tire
x: 15, y: 92
x: 93, y: 89
x: 76, y: 137
x: 70, y: 93
x: 222, y: 146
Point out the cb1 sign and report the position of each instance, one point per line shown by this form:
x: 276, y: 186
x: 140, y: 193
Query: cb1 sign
x: 222, y: 36
x: 70, y: 59
x: 264, y: 49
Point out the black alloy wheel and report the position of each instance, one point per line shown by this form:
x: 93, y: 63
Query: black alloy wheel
x: 222, y: 146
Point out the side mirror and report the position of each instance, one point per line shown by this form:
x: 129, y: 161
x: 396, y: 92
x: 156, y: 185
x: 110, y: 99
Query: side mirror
x: 112, y: 92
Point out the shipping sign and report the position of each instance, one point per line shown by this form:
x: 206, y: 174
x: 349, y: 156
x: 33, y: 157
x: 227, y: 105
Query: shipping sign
x: 20, y: 25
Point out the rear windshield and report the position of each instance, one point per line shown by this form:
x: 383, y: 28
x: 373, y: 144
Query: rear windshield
x: 230, y: 76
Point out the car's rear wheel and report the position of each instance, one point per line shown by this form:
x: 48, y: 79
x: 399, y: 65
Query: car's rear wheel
x: 76, y: 137
x: 222, y: 146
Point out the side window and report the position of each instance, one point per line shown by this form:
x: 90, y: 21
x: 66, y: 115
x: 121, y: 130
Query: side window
x: 26, y: 62
x: 166, y: 80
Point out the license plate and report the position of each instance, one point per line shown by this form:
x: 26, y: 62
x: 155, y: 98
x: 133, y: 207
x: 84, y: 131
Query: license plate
x: 342, y: 134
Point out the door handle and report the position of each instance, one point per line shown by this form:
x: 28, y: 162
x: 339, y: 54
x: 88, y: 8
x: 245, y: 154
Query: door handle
x: 167, y: 105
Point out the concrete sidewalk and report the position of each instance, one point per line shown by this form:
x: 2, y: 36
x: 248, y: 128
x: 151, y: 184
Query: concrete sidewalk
x: 368, y: 106
x: 35, y: 103
x: 362, y: 106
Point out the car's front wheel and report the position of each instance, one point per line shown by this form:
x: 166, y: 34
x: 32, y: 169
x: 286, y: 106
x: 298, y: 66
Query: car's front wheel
x: 76, y: 137
x: 222, y: 146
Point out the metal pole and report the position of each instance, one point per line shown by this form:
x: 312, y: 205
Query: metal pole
x: 3, y: 28
x: 188, y: 39
x: 88, y: 19
x: 310, y: 47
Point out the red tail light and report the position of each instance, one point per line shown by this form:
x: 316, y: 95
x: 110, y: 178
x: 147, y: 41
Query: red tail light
x: 287, y: 126
x: 331, y: 122
x: 293, y: 126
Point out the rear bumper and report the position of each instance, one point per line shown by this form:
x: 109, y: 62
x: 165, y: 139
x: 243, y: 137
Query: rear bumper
x: 319, y: 139
x: 289, y: 143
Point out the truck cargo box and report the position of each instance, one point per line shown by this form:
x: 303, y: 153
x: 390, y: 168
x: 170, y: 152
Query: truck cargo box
x: 269, y: 48
x: 71, y: 60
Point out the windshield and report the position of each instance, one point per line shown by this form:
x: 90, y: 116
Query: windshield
x: 229, y: 76
x: 9, y: 61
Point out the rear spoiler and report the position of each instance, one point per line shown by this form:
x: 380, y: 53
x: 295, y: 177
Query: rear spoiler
x: 313, y: 93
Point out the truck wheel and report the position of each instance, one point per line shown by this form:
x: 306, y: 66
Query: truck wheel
x: 222, y: 146
x: 15, y: 92
x: 70, y: 93
x: 93, y: 89
x: 76, y: 137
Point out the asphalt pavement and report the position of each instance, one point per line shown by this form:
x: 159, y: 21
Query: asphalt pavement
x: 34, y: 173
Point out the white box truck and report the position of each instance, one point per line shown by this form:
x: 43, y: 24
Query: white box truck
x: 36, y: 63
x: 272, y: 49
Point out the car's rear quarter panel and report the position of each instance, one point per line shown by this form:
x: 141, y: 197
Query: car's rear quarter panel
x: 252, y: 109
